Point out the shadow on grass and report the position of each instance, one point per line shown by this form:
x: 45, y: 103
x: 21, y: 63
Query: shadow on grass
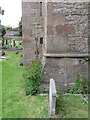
x: 70, y: 106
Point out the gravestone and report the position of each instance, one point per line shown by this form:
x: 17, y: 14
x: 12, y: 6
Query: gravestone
x: 6, y: 42
x: 10, y: 46
x: 10, y: 41
x: 3, y: 42
x: 13, y: 42
x: 16, y: 46
x: 52, y: 97
x: 3, y: 57
x: 0, y: 53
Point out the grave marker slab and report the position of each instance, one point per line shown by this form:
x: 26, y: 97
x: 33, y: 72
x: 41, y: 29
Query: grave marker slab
x: 52, y: 97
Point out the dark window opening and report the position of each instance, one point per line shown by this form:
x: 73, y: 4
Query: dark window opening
x: 41, y: 40
x: 40, y: 8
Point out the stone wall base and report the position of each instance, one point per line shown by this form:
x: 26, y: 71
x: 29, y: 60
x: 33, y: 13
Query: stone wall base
x: 63, y: 71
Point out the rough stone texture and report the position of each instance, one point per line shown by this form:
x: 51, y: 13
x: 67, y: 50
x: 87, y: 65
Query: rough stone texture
x: 63, y: 71
x: 64, y: 27
x: 71, y: 20
x: 29, y: 30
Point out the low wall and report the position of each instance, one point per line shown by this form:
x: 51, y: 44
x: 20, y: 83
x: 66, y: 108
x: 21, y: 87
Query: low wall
x: 63, y: 71
x: 17, y: 38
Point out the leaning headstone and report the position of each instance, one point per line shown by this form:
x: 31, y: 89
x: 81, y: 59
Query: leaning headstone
x: 3, y: 57
x: 52, y: 97
x: 3, y: 53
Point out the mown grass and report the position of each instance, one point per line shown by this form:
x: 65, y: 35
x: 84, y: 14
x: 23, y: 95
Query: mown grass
x: 0, y: 89
x: 15, y: 104
x: 70, y: 106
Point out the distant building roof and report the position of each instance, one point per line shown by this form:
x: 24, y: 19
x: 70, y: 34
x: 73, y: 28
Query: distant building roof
x: 11, y: 33
x: 15, y: 29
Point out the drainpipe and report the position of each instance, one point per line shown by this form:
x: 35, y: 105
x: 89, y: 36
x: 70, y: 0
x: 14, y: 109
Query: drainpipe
x: 36, y: 34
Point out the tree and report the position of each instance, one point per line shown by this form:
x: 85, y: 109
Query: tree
x: 1, y: 11
x: 7, y: 28
x: 20, y: 27
x: 3, y: 32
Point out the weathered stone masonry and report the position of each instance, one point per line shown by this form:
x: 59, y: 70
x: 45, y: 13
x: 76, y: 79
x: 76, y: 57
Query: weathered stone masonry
x: 29, y: 30
x: 64, y: 28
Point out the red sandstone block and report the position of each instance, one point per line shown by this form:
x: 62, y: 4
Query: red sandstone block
x: 69, y: 29
x: 65, y: 29
x: 38, y: 28
x: 38, y: 5
x: 34, y: 5
x: 49, y: 30
x: 60, y: 29
x: 26, y: 41
x: 85, y: 33
x: 49, y: 6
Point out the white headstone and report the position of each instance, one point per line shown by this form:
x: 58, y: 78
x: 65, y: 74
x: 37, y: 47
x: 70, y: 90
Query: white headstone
x: 52, y: 97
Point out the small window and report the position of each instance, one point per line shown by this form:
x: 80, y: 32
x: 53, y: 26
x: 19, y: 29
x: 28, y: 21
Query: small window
x: 40, y: 8
x: 41, y: 40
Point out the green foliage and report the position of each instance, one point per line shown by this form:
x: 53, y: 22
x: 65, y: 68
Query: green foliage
x: 3, y: 32
x: 20, y: 43
x: 84, y: 84
x: 81, y: 86
x: 21, y: 63
x: 32, y: 76
x: 20, y: 27
x: 1, y: 11
x: 7, y: 28
x: 15, y: 103
x: 87, y: 59
x: 60, y: 92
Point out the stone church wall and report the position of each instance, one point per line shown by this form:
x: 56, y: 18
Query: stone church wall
x: 64, y: 28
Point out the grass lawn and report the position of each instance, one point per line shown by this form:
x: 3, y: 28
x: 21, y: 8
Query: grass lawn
x: 15, y: 104
x: 69, y: 106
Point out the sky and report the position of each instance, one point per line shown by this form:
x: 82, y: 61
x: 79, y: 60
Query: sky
x: 13, y: 12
